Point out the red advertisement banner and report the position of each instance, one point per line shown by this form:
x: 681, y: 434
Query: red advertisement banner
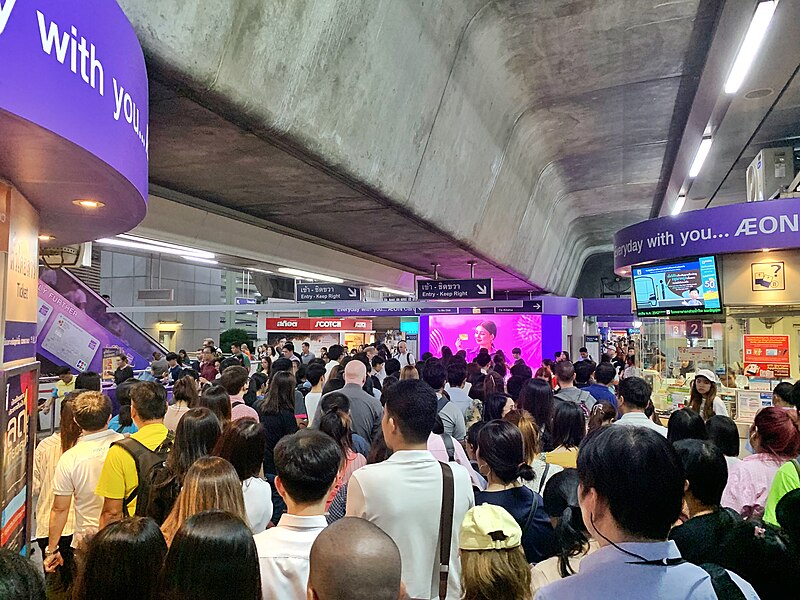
x: 767, y: 356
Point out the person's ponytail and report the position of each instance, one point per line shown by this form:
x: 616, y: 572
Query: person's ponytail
x: 571, y: 538
x: 526, y: 472
x: 125, y: 419
x: 335, y: 421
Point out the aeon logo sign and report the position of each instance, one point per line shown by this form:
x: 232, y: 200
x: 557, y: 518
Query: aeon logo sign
x: 5, y: 12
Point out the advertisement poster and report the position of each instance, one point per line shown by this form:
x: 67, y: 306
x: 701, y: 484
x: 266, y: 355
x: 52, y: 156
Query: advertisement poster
x: 20, y: 399
x: 749, y: 402
x: 767, y: 356
x: 316, y: 341
x: 686, y: 288
x: 110, y: 355
x: 493, y: 332
x: 20, y: 285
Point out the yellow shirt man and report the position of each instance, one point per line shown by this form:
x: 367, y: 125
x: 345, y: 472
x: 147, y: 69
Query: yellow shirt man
x: 119, y: 477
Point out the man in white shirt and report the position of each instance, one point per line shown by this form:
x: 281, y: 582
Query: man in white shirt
x: 77, y: 474
x: 403, y: 495
x: 633, y: 396
x: 354, y: 559
x: 315, y: 374
x: 404, y: 356
x: 335, y: 354
x: 457, y: 379
x: 630, y: 494
x: 452, y: 416
x: 307, y: 463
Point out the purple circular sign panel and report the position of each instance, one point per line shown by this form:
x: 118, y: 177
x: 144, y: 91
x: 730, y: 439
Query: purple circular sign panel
x: 744, y: 227
x: 74, y: 114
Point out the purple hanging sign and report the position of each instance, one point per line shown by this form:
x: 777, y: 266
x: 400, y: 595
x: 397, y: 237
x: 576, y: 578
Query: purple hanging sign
x: 744, y: 227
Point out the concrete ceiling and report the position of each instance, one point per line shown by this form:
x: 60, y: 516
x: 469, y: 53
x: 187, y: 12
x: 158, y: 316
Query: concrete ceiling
x: 521, y: 133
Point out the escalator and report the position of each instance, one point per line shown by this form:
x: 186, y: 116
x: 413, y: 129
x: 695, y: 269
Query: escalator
x: 74, y: 329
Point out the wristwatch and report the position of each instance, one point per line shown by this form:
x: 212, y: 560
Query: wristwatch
x: 48, y: 552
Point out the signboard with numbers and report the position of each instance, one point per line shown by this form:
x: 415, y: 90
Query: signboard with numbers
x: 16, y: 455
x: 694, y: 329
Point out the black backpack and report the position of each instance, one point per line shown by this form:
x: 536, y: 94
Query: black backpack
x: 148, y: 464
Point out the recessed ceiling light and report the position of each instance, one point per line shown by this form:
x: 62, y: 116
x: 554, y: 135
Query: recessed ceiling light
x: 309, y: 275
x: 759, y: 93
x: 91, y: 204
x: 46, y: 238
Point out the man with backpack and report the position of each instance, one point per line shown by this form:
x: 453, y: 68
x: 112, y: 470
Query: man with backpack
x: 127, y: 469
x: 565, y: 374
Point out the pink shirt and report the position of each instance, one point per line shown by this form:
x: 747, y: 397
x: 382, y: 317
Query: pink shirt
x: 749, y: 482
x: 439, y: 450
x: 240, y: 410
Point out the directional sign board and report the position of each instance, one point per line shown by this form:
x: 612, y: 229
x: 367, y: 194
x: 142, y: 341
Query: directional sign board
x: 528, y: 306
x: 326, y: 292
x: 244, y: 301
x: 454, y: 289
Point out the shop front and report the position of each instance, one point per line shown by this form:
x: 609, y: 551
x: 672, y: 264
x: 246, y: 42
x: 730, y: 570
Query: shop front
x: 723, y: 296
x: 319, y: 332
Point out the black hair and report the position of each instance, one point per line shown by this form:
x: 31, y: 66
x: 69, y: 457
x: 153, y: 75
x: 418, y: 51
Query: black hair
x: 392, y: 367
x: 516, y: 351
x: 172, y: 356
x: 514, y: 386
x: 635, y: 391
x: 205, y: 551
x: 787, y: 513
x: 473, y: 432
x: 124, y: 400
x: 456, y: 373
x: 377, y: 360
x: 493, y: 406
x: 63, y: 371
x: 483, y: 359
x: 122, y: 562
x: 783, y: 391
x: 217, y: 399
x: 387, y: 383
x: 500, y: 369
x: 723, y: 433
x: 686, y: 424
x: 243, y: 444
x: 280, y: 396
x: 584, y: 370
x: 500, y: 446
x: 605, y: 372
x: 637, y: 471
x: 233, y: 379
x: 335, y: 352
x: 537, y: 398
x: 88, y: 380
x: 231, y: 361
x: 564, y: 371
x: 195, y: 436
x: 434, y: 374
x: 522, y: 371
x: 561, y: 502
x: 569, y: 424
x: 257, y: 381
x: 335, y: 420
x: 583, y: 349
x: 150, y: 400
x: 289, y: 346
x: 794, y: 398
x: 412, y: 404
x: 307, y: 463
x: 705, y: 469
x: 19, y: 577
x: 763, y: 556
x: 378, y: 450
x: 281, y: 364
x: 333, y: 384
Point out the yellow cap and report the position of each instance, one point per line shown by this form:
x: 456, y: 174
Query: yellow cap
x: 489, y: 527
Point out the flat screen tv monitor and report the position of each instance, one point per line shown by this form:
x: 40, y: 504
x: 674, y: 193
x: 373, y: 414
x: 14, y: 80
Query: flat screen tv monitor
x: 678, y: 289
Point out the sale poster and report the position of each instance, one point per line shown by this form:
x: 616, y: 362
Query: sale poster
x: 767, y: 356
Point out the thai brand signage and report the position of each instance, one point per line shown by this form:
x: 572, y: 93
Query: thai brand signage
x: 326, y: 292
x: 454, y: 289
x: 22, y: 273
x: 742, y: 227
x: 767, y: 356
x: 319, y: 324
x: 76, y: 69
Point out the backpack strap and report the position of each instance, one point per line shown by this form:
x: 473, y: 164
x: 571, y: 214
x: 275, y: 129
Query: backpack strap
x: 450, y: 446
x: 138, y: 451
x: 796, y: 466
x: 442, y: 402
x: 544, y: 476
x: 445, y: 528
x: 724, y: 587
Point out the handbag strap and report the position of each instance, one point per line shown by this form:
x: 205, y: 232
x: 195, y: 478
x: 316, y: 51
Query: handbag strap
x: 543, y: 480
x: 445, y: 528
x: 534, y: 506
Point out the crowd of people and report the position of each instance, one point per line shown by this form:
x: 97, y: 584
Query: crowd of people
x: 376, y: 475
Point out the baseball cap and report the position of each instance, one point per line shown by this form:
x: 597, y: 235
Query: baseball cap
x: 489, y: 527
x: 708, y: 374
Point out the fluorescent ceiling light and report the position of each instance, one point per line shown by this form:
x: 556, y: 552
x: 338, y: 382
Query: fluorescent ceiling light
x: 254, y: 270
x: 309, y: 275
x: 750, y: 45
x: 387, y: 290
x: 205, y: 261
x: 134, y: 243
x: 679, y: 204
x: 700, y: 157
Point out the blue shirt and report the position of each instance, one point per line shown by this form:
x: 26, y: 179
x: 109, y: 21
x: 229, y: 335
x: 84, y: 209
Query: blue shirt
x: 602, y: 393
x: 114, y: 425
x: 608, y: 573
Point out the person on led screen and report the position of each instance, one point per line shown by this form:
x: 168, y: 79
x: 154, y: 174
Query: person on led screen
x: 694, y: 298
x: 485, y: 334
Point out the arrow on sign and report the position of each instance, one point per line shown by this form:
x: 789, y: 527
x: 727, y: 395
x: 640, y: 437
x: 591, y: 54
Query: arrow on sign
x: 482, y: 289
x: 353, y: 293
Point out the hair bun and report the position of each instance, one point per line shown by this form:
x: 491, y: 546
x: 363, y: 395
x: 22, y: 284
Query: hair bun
x: 526, y: 472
